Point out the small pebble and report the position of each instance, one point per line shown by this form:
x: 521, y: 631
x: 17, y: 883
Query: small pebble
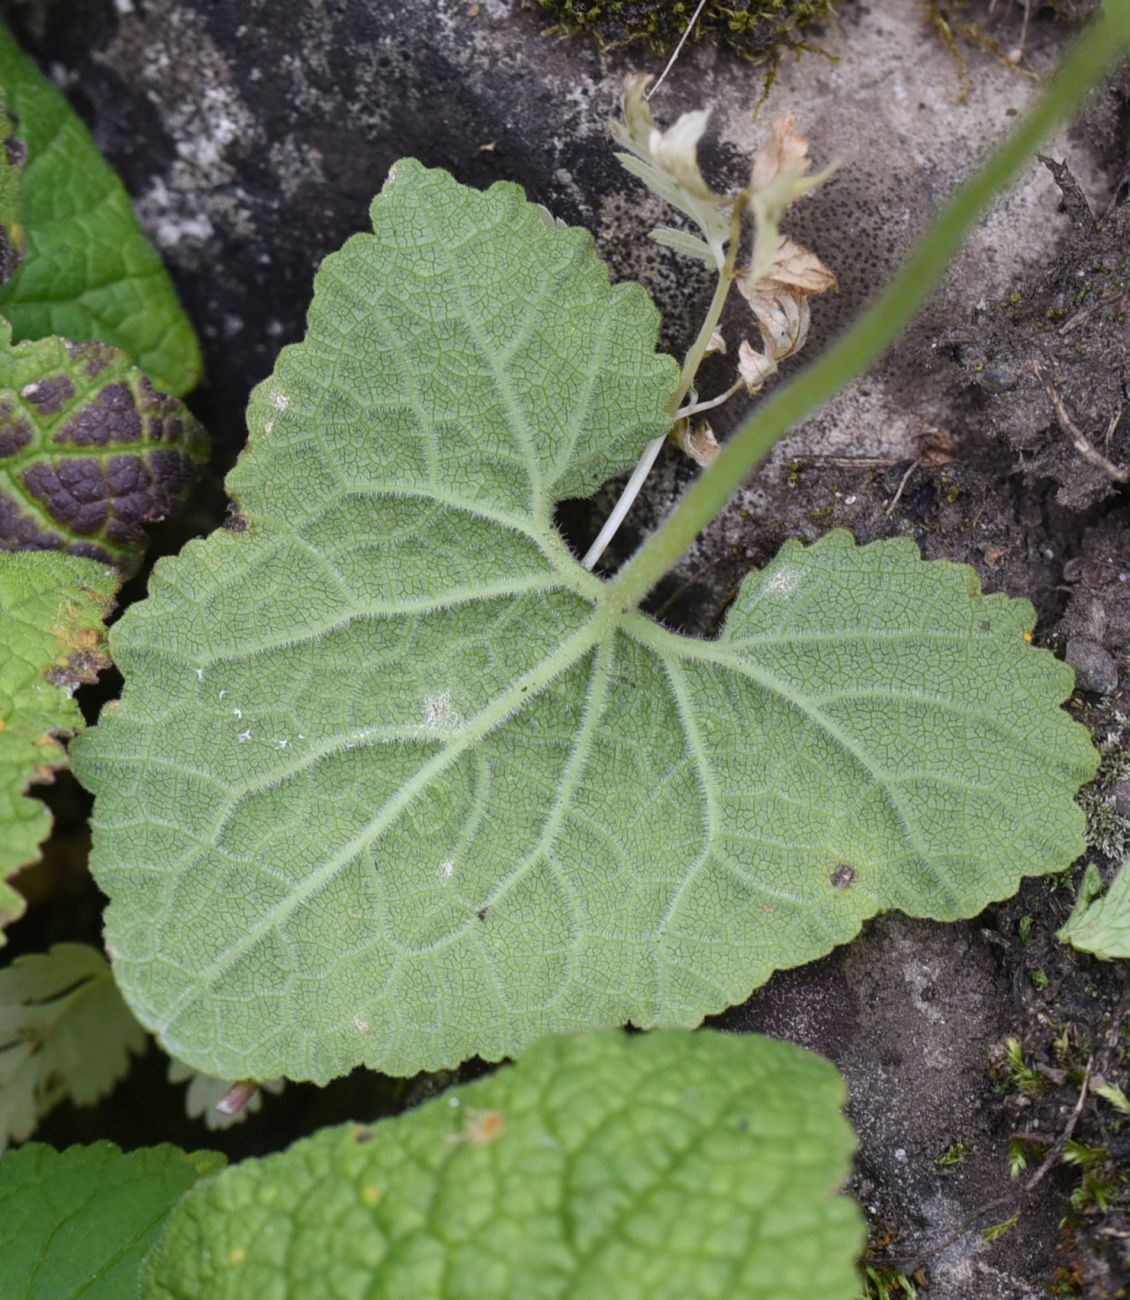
x: 1095, y: 670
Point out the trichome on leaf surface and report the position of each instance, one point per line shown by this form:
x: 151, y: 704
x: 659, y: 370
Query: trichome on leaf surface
x: 395, y: 780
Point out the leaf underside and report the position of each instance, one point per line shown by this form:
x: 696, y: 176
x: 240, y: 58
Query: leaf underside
x: 391, y: 783
x: 654, y: 1167
x: 87, y: 270
x: 79, y: 1222
x: 52, y: 636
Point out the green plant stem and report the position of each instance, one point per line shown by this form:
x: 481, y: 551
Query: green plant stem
x: 714, y: 311
x: 686, y: 381
x: 879, y: 325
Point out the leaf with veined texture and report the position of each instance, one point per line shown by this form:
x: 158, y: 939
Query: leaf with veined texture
x: 52, y: 637
x: 393, y: 782
x: 646, y: 1168
x: 90, y: 451
x: 78, y: 1223
x: 87, y: 271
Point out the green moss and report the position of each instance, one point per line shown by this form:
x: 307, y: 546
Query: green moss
x: 754, y: 29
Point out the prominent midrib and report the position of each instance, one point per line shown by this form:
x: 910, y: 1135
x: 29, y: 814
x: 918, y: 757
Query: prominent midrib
x: 521, y: 691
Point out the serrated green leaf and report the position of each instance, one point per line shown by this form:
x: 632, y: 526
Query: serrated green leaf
x: 661, y: 1166
x: 88, y: 272
x: 90, y: 451
x: 51, y: 628
x: 1103, y: 926
x: 79, y: 1222
x: 395, y: 782
x: 65, y: 1034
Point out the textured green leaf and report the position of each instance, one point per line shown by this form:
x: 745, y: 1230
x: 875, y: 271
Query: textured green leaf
x: 88, y: 272
x: 393, y: 782
x: 90, y: 451
x: 667, y: 1165
x: 65, y: 1034
x: 13, y: 154
x: 79, y: 1222
x: 1102, y: 927
x: 51, y: 628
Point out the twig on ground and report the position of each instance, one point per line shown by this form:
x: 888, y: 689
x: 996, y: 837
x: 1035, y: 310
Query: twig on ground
x: 678, y: 49
x: 1078, y: 439
x: 901, y: 488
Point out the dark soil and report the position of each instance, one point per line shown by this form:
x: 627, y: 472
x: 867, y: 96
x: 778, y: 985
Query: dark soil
x: 253, y: 136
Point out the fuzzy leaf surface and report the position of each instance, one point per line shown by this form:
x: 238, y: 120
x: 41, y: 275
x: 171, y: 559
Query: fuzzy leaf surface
x: 87, y: 270
x: 79, y: 1222
x: 65, y: 1034
x: 1103, y: 927
x: 394, y: 783
x: 52, y: 609
x: 90, y: 451
x: 646, y: 1168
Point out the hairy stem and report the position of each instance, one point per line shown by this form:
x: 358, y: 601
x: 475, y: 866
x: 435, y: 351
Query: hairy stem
x: 879, y: 325
x: 686, y: 380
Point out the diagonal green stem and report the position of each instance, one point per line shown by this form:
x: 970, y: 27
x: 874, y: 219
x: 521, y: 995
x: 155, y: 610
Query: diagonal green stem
x: 879, y: 325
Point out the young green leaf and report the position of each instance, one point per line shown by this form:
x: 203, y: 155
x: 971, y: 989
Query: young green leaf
x: 79, y: 1222
x: 395, y: 781
x: 88, y: 272
x: 1102, y: 927
x: 65, y: 1033
x: 90, y: 451
x: 51, y: 627
x: 665, y: 1165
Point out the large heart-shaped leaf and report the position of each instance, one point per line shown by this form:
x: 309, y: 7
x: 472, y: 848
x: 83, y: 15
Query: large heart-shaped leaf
x: 646, y: 1168
x: 395, y: 781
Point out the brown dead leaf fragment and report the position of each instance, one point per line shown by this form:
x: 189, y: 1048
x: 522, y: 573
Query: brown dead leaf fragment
x: 697, y: 440
x: 934, y: 448
x: 796, y: 268
x: 785, y: 148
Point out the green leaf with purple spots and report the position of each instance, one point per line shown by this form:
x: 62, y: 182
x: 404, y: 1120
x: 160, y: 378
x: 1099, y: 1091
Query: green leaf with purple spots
x: 88, y: 271
x: 90, y: 451
x: 52, y: 611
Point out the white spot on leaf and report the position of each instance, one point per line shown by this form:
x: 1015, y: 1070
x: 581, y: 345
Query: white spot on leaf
x: 438, y: 713
x: 782, y: 582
